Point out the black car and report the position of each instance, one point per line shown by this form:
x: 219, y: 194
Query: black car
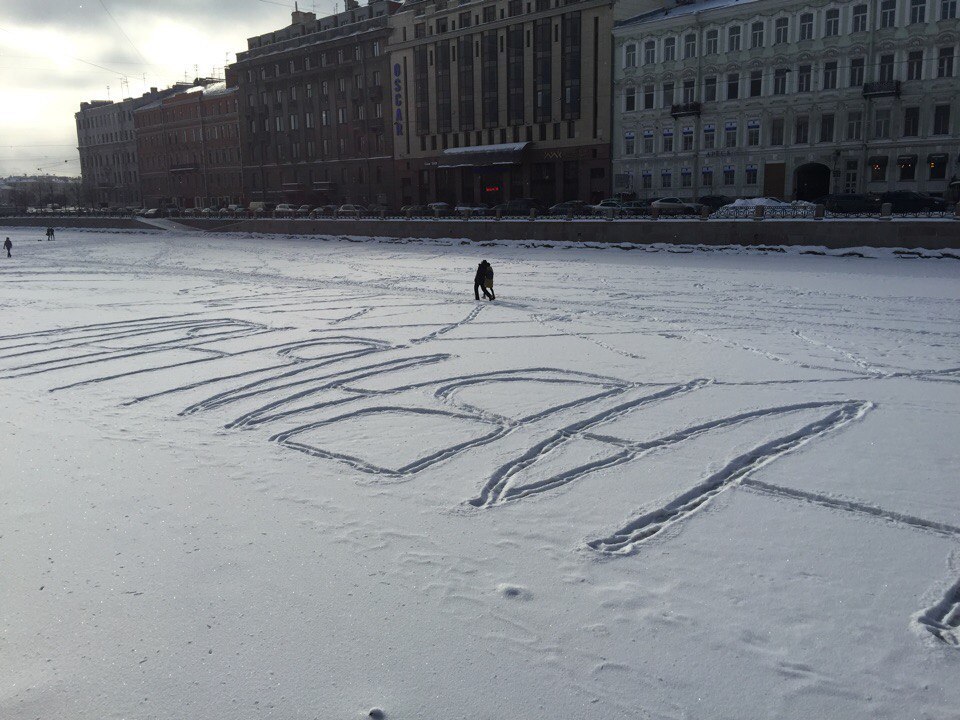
x: 574, y: 207
x: 850, y: 203
x: 715, y: 202
x: 904, y: 201
x: 520, y: 206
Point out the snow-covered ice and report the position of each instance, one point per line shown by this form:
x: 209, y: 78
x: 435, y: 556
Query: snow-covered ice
x: 252, y: 477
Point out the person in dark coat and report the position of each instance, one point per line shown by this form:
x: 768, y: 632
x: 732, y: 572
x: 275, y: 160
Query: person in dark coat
x: 484, y: 279
x: 49, y: 233
x: 8, y: 246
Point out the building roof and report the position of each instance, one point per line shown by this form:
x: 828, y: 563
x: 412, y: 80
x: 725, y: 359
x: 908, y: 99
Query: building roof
x: 673, y: 11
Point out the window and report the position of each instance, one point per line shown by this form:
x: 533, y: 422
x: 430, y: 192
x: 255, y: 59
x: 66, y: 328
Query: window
x: 729, y: 176
x: 881, y: 123
x: 753, y: 133
x: 751, y: 175
x: 948, y: 9
x: 856, y: 72
x: 941, y: 120
x: 709, y: 89
x: 341, y: 115
x: 855, y: 125
x: 911, y: 122
x: 669, y: 49
x: 826, y: 128
x: 859, y: 18
x: 733, y: 39
x: 830, y: 76
x: 629, y: 99
x: 781, y: 31
x: 668, y: 143
x: 831, y: 22
x: 712, y: 42
x: 908, y: 167
x: 667, y: 94
x: 709, y: 137
x: 801, y: 133
x: 756, y: 82
x: 648, y: 99
x: 918, y: 11
x: 647, y: 181
x: 687, y: 141
x: 666, y: 179
x: 945, y: 62
x: 803, y: 78
x: 730, y: 135
x: 733, y: 86
x: 888, y: 13
x: 648, y: 143
x: 885, y: 69
x: 308, y: 120
x: 278, y: 122
x: 915, y: 65
x: 689, y: 91
x: 776, y: 131
x: 490, y: 13
x: 706, y: 177
x: 756, y: 35
x: 629, y: 144
x: 630, y: 55
x: 686, y: 178
x: 878, y: 169
x: 780, y: 81
x: 649, y: 52
x: 690, y: 46
x: 938, y: 166
x: 806, y: 26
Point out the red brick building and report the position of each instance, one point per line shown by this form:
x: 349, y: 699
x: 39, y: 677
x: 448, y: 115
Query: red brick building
x: 189, y: 148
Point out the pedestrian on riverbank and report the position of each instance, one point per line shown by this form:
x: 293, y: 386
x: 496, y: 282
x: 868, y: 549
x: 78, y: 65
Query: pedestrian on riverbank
x: 49, y: 233
x: 484, y: 279
x: 8, y: 246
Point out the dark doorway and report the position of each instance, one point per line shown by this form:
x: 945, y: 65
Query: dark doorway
x: 812, y: 181
x: 774, y: 177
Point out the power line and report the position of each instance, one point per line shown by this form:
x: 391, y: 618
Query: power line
x: 123, y: 32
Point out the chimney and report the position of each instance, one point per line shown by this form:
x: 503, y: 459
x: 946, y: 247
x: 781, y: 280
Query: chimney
x: 351, y: 4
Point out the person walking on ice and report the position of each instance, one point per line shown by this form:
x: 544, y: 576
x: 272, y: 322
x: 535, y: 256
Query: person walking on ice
x: 484, y: 279
x: 49, y: 233
x: 8, y: 246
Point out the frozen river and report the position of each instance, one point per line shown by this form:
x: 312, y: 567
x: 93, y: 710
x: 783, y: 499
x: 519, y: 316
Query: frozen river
x: 297, y: 478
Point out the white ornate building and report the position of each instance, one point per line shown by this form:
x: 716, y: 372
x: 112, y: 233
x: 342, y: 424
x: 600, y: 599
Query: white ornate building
x: 788, y: 99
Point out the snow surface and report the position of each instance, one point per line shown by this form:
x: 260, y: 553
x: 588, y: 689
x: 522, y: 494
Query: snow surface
x: 310, y: 478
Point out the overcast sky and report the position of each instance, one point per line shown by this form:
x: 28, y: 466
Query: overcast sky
x: 54, y: 54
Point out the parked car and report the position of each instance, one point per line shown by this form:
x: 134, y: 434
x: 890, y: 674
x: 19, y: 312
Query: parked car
x: 351, y: 210
x: 414, y: 210
x: 675, y: 206
x: 850, y: 203
x: 636, y: 207
x: 569, y: 207
x: 324, y: 211
x: 715, y: 202
x: 608, y: 205
x: 438, y: 208
x: 261, y: 209
x: 153, y: 213
x: 904, y: 201
x: 521, y: 207
x: 472, y: 210
x: 285, y: 210
x: 209, y: 212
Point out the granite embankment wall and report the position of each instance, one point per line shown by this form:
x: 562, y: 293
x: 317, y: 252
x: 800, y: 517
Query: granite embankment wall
x: 933, y: 234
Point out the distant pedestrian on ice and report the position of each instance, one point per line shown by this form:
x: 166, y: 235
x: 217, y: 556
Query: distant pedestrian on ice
x: 8, y: 246
x: 49, y: 233
x: 484, y: 279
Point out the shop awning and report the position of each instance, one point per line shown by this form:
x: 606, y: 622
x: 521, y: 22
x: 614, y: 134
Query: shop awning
x: 483, y: 155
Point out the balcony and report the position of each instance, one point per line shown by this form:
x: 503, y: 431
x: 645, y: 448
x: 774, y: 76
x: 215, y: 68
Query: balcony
x: 885, y: 88
x: 685, y: 109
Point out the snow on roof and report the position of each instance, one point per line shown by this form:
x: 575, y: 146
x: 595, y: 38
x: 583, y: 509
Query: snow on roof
x: 681, y: 10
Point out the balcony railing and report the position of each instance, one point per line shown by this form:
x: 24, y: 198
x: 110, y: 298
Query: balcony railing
x: 683, y: 109
x: 884, y: 88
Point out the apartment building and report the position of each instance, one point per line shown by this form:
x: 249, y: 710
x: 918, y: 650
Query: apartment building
x: 189, y: 148
x: 314, y: 104
x: 108, y: 149
x: 494, y: 100
x: 787, y: 99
